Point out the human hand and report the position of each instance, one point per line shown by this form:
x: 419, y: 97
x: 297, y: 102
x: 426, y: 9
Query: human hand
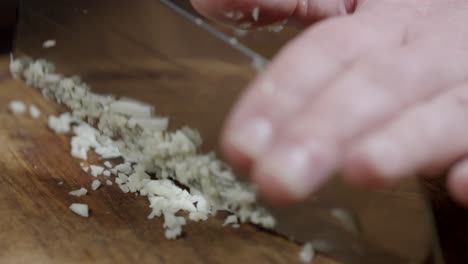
x: 380, y: 94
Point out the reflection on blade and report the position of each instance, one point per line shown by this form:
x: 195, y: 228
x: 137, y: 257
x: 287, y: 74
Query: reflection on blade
x: 229, y: 40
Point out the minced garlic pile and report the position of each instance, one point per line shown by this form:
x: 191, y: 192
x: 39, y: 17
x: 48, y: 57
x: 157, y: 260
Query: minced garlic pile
x: 154, y: 158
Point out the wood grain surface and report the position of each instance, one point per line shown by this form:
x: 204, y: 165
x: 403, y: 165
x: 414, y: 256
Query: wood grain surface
x: 37, y: 227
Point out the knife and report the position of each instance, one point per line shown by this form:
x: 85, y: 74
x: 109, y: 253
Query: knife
x: 256, y: 58
x: 187, y: 61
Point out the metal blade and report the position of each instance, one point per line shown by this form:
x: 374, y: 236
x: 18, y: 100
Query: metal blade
x: 232, y: 41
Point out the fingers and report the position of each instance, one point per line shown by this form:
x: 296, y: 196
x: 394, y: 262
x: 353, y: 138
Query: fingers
x: 310, y: 146
x: 298, y: 74
x: 432, y: 135
x: 458, y: 182
x: 262, y: 12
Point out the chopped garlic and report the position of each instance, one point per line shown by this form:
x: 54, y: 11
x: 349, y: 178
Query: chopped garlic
x: 108, y: 152
x: 108, y: 164
x: 256, y: 13
x: 96, y: 170
x: 80, y: 209
x: 198, y: 216
x: 49, y: 43
x: 79, y: 192
x: 83, y: 141
x: 125, y: 168
x: 124, y: 188
x: 95, y: 185
x: 17, y: 107
x: 108, y: 182
x: 232, y: 219
x: 34, y: 112
x: 229, y: 14
x: 346, y: 219
x: 106, y: 173
x: 84, y: 167
x: 154, y: 157
x: 61, y: 124
x: 278, y: 27
x: 174, y: 225
x: 131, y: 108
x: 307, y: 253
x: 234, y: 15
x: 275, y: 28
x: 173, y: 233
x: 16, y: 67
x: 157, y: 124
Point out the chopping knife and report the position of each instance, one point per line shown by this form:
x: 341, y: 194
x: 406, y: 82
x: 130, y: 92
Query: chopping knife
x: 188, y: 63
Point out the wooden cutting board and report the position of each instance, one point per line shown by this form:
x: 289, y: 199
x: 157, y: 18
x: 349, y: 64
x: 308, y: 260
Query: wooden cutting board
x: 36, y: 174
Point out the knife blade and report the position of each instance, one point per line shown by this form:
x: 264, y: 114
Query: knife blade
x: 231, y: 41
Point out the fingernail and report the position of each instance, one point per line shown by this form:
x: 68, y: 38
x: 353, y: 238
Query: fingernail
x: 252, y: 137
x: 299, y: 169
